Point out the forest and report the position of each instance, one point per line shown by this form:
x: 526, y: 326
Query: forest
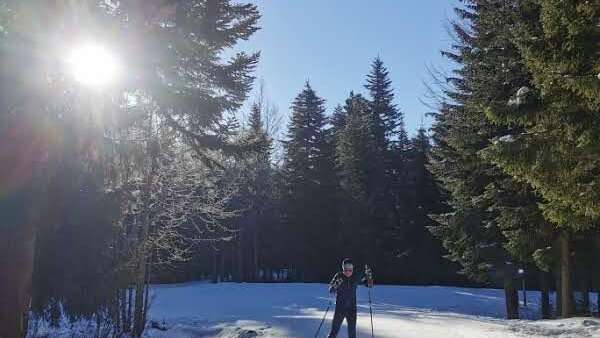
x: 160, y: 174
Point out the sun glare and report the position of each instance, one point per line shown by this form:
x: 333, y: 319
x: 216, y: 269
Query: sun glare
x: 93, y: 65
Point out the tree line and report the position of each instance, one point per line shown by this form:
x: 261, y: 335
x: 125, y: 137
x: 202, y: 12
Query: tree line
x: 351, y: 183
x: 507, y: 182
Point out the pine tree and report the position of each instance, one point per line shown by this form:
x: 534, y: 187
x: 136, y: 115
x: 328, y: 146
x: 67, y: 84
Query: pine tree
x: 256, y: 193
x: 178, y: 69
x: 418, y: 251
x: 557, y: 114
x: 357, y: 145
x: 338, y: 121
x: 181, y: 65
x: 468, y: 230
x: 391, y: 136
x: 385, y: 115
x: 493, y: 67
x: 308, y: 173
x: 472, y: 231
x: 556, y: 150
x: 362, y: 174
x: 388, y: 118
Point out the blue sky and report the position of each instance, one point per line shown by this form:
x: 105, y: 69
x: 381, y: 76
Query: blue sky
x: 332, y: 43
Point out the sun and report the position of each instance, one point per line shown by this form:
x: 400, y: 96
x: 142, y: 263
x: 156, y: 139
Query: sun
x: 93, y: 65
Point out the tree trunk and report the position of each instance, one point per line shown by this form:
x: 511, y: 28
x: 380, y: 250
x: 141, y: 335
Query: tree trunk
x: 121, y: 300
x: 215, y: 266
x: 146, y: 293
x: 586, y: 303
x: 255, y: 252
x: 558, y: 293
x: 129, y: 309
x: 510, y: 294
x: 545, y: 294
x: 585, y: 294
x: 24, y: 156
x: 222, y: 265
x: 566, y: 288
x: 598, y: 302
x: 240, y: 259
x: 138, y: 314
x: 139, y: 322
x: 17, y: 244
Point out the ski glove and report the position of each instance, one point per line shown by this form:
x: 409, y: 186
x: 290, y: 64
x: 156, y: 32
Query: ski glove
x: 335, y: 284
x: 369, y: 276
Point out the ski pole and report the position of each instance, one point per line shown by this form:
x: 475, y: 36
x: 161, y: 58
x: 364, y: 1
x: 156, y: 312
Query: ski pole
x: 371, y: 310
x: 323, y: 320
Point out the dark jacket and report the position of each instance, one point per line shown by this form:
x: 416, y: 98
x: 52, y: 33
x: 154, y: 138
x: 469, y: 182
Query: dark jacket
x: 346, y: 289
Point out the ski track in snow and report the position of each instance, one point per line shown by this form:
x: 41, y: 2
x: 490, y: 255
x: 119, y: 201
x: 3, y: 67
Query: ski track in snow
x: 232, y: 310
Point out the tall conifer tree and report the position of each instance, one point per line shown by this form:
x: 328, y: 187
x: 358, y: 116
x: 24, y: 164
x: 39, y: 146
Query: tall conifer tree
x: 556, y: 148
x: 308, y: 173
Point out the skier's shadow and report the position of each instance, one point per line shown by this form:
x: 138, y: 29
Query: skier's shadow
x: 298, y: 320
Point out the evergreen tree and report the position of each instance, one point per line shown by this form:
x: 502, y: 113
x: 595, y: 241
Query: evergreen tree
x: 179, y: 71
x: 468, y: 230
x: 194, y: 101
x: 471, y: 232
x: 308, y: 174
x: 420, y: 253
x: 388, y: 119
x: 360, y: 163
x: 388, y: 126
x: 338, y: 121
x: 556, y: 149
x: 493, y: 66
x: 256, y: 194
x: 358, y: 149
x: 392, y: 139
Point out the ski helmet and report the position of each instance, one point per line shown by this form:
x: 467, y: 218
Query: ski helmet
x: 347, y: 264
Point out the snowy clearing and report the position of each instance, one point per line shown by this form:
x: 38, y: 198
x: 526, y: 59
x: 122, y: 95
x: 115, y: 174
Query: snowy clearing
x: 232, y: 310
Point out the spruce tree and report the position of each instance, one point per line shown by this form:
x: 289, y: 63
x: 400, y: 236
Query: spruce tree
x: 388, y: 119
x: 362, y: 174
x: 392, y: 139
x: 388, y: 124
x: 255, y: 195
x: 180, y: 62
x: 462, y: 132
x: 557, y: 146
x: 174, y: 52
x: 307, y: 175
x: 416, y: 249
x: 492, y: 67
x: 557, y: 114
x: 468, y: 230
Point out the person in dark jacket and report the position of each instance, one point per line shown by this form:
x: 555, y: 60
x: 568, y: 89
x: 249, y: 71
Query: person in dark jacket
x: 344, y: 284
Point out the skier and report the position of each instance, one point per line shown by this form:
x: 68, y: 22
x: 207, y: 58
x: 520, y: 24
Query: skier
x: 344, y: 284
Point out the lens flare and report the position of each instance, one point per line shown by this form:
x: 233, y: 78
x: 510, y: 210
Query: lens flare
x: 93, y: 65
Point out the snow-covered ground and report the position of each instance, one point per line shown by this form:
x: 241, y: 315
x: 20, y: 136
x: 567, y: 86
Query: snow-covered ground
x: 232, y: 310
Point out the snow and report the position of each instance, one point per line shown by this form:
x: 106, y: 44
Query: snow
x: 507, y: 139
x: 231, y: 310
x: 238, y: 310
x: 523, y: 91
x: 520, y: 97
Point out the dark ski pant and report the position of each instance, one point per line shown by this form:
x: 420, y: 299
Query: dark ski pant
x: 338, y: 318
